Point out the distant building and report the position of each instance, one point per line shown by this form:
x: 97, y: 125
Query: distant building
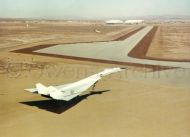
x: 114, y: 22
x: 133, y: 21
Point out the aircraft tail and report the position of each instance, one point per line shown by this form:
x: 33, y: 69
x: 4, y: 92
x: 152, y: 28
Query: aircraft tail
x: 42, y: 89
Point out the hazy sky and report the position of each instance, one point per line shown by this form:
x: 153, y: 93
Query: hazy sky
x: 91, y: 9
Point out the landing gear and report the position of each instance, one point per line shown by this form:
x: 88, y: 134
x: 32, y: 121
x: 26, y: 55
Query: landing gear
x: 93, y: 87
x: 60, y: 102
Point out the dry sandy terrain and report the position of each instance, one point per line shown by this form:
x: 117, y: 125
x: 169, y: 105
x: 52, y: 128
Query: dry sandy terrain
x: 133, y: 103
x: 17, y: 34
x: 171, y: 42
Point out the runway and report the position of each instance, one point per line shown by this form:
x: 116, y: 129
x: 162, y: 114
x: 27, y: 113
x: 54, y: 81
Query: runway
x: 111, y: 51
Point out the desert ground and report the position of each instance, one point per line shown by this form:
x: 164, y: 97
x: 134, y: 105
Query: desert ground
x: 139, y: 102
x: 171, y: 42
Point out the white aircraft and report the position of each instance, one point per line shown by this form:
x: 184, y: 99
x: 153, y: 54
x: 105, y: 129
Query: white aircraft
x: 69, y: 91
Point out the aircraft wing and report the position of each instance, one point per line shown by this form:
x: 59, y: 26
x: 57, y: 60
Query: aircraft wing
x: 70, y: 91
x: 35, y: 90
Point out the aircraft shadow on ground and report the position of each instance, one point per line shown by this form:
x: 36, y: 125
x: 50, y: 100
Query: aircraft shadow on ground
x: 61, y: 106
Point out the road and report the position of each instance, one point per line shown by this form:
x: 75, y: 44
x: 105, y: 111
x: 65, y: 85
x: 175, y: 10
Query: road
x: 111, y: 51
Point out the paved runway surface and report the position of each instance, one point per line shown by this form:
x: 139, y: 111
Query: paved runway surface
x: 114, y: 51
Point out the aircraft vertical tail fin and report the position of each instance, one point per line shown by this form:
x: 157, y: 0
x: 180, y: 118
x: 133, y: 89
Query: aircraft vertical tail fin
x: 42, y: 89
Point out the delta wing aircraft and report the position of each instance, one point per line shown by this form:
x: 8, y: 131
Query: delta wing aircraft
x: 69, y: 91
